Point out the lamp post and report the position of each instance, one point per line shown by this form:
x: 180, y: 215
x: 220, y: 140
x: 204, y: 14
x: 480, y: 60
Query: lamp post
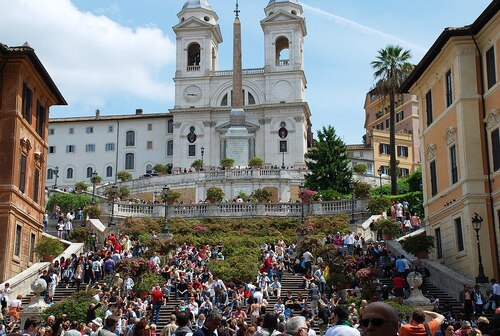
x: 476, y: 224
x: 282, y: 160
x: 165, y: 223
x: 302, y: 207
x: 94, y: 175
x: 56, y: 173
x: 113, y: 193
x: 351, y: 185
x: 202, y: 153
x: 380, y: 177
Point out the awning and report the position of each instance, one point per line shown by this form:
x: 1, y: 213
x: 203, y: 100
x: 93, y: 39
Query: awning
x: 96, y: 223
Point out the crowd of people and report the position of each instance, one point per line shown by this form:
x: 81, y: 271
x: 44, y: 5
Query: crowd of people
x: 208, y: 306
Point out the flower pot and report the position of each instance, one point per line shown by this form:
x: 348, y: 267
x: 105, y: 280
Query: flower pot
x: 48, y: 258
x: 143, y: 294
x: 421, y: 254
x: 387, y: 236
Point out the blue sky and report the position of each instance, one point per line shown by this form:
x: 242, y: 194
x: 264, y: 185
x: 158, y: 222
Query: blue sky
x: 119, y: 55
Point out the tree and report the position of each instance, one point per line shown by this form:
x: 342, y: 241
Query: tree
x: 391, y: 68
x: 160, y: 169
x: 328, y: 163
x: 227, y: 163
x: 214, y: 194
x: 197, y: 165
x: 124, y: 176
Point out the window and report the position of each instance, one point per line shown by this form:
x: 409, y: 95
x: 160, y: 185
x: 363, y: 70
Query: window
x: 71, y: 130
x: 403, y: 172
x: 192, y: 150
x: 194, y: 55
x: 385, y: 170
x: 32, y: 247
x: 369, y: 167
x: 36, y: 185
x: 90, y: 148
x: 384, y: 149
x: 403, y: 151
x: 70, y: 148
x: 439, y: 243
x: 282, y: 51
x: 149, y: 169
x: 129, y: 161
x: 17, y: 241
x: 251, y: 99
x: 22, y: 175
x: 283, y: 146
x: 400, y: 116
x: 453, y: 164
x: 459, y: 234
x: 433, y: 174
x: 150, y: 127
x: 27, y: 102
x: 52, y: 149
x: 41, y: 117
x: 495, y: 147
x: 149, y: 145
x: 491, y: 75
x: 170, y: 148
x: 170, y: 126
x: 109, y: 171
x: 51, y: 131
x: 89, y: 172
x: 449, y: 89
x: 130, y: 138
x: 387, y: 123
x: 428, y: 107
x: 50, y: 174
x: 109, y: 147
x: 89, y: 130
x: 69, y: 173
x: 110, y: 129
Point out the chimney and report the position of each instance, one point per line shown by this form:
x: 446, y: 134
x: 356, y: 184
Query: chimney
x: 97, y: 113
x: 138, y: 111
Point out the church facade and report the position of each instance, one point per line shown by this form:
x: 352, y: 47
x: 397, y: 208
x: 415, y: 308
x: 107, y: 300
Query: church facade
x: 276, y: 114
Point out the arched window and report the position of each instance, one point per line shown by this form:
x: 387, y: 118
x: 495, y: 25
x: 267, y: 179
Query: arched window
x: 251, y: 99
x: 50, y: 174
x: 170, y: 148
x: 109, y: 171
x: 194, y: 55
x: 224, y: 100
x: 89, y: 172
x: 170, y: 126
x: 129, y: 161
x: 149, y: 169
x: 282, y: 51
x: 130, y: 138
x: 69, y: 173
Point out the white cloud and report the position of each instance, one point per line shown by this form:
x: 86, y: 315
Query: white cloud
x: 90, y: 57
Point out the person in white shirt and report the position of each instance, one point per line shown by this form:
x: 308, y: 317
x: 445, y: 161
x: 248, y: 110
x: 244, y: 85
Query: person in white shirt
x: 349, y: 242
x: 342, y: 325
x: 276, y: 287
x: 128, y: 284
x: 307, y: 256
x: 257, y: 295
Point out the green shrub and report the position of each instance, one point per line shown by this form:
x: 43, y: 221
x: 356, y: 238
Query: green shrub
x: 197, y: 165
x: 124, y: 176
x: 49, y: 247
x: 134, y: 227
x: 256, y: 162
x: 96, y: 179
x: 418, y: 243
x: 361, y: 189
x: 331, y: 195
x: 378, y: 204
x: 389, y: 226
x: 360, y: 168
x: 227, y: 163
x: 92, y: 211
x: 148, y: 280
x: 81, y: 186
x: 74, y: 307
x: 68, y: 202
x: 160, y: 169
x: 261, y: 195
x: 214, y: 194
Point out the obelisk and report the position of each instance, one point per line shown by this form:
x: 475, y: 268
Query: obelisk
x: 237, y: 135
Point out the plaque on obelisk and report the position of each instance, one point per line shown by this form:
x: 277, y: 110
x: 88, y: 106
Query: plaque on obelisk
x: 237, y: 136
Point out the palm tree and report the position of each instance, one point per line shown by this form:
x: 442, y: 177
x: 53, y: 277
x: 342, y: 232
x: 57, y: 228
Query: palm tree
x: 391, y: 68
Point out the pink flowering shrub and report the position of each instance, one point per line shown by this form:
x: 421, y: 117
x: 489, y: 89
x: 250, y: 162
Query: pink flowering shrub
x: 307, y: 195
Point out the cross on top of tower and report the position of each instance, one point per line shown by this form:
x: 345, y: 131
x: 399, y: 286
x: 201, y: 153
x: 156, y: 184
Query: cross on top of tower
x: 237, y: 11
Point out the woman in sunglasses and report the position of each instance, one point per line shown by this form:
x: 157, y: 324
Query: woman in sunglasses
x: 379, y: 319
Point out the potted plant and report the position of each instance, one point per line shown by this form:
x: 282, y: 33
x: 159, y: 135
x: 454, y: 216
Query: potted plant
x: 95, y: 179
x: 197, y: 165
x: 171, y: 197
x: 256, y: 162
x: 49, y: 248
x: 81, y: 186
x: 148, y: 280
x: 124, y: 176
x: 261, y: 195
x: 377, y: 205
x: 389, y: 227
x: 215, y: 195
x: 227, y: 163
x: 361, y: 189
x: 360, y: 169
x: 92, y: 211
x: 418, y: 245
x: 80, y: 234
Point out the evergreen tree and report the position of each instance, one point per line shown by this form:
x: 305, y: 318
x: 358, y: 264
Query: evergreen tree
x: 327, y: 161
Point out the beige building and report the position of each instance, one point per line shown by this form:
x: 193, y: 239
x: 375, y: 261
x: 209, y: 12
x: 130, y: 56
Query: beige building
x: 406, y: 128
x: 26, y: 94
x: 456, y: 84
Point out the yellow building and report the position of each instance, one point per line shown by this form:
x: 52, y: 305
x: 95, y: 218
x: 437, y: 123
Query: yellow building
x: 459, y: 98
x: 406, y: 128
x: 26, y: 93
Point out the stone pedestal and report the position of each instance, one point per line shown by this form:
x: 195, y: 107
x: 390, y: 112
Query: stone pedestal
x: 37, y: 305
x: 417, y: 299
x: 238, y: 139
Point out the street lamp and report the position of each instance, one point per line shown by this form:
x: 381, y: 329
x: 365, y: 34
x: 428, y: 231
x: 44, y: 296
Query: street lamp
x: 282, y: 160
x: 202, y: 153
x: 94, y: 175
x: 380, y: 171
x: 56, y: 173
x: 113, y: 193
x: 165, y: 195
x: 302, y: 207
x: 351, y: 185
x: 476, y: 224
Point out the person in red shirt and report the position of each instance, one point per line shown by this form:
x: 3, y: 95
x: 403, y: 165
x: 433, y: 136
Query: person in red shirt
x: 157, y: 299
x: 416, y: 326
x: 398, y: 285
x: 112, y: 239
